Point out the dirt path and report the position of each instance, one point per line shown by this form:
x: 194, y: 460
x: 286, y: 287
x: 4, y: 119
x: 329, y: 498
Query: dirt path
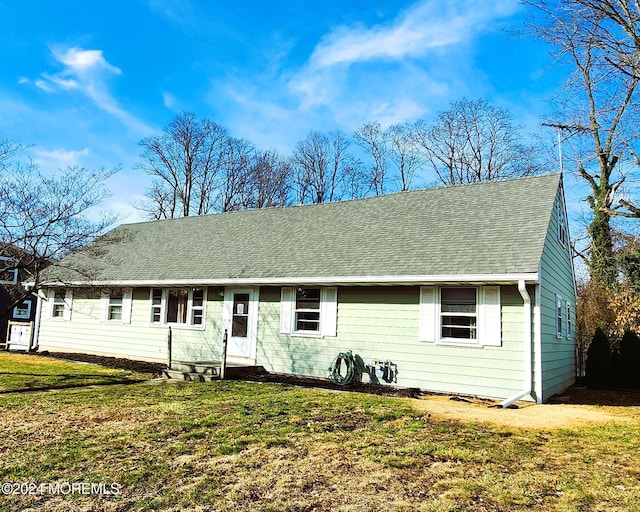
x: 584, y: 407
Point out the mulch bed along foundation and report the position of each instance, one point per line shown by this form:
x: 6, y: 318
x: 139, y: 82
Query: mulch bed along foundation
x: 156, y: 370
x: 578, y: 394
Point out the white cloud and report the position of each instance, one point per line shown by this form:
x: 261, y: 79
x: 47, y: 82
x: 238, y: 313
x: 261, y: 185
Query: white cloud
x: 170, y: 101
x: 396, y: 67
x: 60, y: 158
x: 427, y: 25
x: 42, y: 84
x: 62, y: 83
x: 80, y: 61
x: 88, y: 72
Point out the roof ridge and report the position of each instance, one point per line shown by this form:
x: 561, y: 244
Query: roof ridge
x: 478, y: 184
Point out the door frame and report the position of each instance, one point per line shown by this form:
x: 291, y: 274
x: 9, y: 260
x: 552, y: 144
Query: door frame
x: 252, y: 326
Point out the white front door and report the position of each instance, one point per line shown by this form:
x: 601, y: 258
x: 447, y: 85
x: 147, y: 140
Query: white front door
x: 241, y: 322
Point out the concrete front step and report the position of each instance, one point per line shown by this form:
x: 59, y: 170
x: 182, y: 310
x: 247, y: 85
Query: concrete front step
x: 206, y: 371
x: 190, y: 376
x: 203, y: 367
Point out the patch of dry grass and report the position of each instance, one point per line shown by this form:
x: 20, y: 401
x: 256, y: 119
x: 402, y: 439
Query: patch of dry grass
x: 247, y: 446
x: 528, y: 415
x: 235, y: 446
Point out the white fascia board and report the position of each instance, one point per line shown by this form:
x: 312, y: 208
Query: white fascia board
x: 334, y: 280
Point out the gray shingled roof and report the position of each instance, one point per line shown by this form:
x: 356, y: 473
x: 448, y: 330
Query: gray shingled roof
x: 485, y: 228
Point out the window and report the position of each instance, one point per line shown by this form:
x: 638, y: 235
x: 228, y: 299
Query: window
x: 307, y: 310
x: 558, y: 316
x: 179, y: 306
x: 59, y: 303
x: 8, y: 275
x: 458, y: 314
x: 563, y: 231
x: 23, y: 310
x: 115, y: 306
x: 568, y: 320
x: 156, y: 305
x: 197, y: 306
x: 240, y: 316
x: 469, y: 315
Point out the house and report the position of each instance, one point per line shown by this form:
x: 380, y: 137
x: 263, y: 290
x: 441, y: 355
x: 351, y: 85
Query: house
x: 16, y: 318
x: 466, y: 289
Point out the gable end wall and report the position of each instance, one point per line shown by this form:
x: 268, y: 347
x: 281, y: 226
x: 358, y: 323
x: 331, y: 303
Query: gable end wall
x: 556, y: 278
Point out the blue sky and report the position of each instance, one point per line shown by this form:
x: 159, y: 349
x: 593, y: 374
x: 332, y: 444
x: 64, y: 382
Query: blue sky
x: 84, y: 81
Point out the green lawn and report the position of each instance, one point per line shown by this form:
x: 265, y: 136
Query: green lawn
x: 25, y: 372
x: 233, y: 446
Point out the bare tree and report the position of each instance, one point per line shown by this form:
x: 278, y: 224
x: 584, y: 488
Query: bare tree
x: 235, y: 175
x: 270, y: 181
x: 374, y: 141
x: 46, y: 215
x: 185, y: 161
x: 324, y: 168
x: 403, y: 152
x: 598, y: 108
x: 474, y: 141
x: 160, y: 201
x: 614, y: 25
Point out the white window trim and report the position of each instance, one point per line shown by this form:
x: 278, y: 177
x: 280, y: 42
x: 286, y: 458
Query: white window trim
x: 308, y: 332
x: 488, y: 315
x: 458, y: 341
x: 193, y: 308
x: 559, y: 317
x: 68, y: 305
x: 28, y: 303
x: 563, y: 228
x: 328, y: 312
x: 569, y: 325
x: 105, y: 305
x: 190, y: 308
x: 15, y: 271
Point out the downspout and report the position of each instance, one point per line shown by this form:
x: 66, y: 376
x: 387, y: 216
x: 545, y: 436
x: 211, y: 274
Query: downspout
x: 36, y: 325
x: 537, y: 343
x: 522, y: 288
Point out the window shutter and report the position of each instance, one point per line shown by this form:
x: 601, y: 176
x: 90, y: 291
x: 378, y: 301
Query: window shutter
x: 127, y: 301
x: 287, y: 298
x: 491, y: 328
x: 104, y: 306
x: 428, y: 313
x: 68, y: 302
x: 329, y: 312
x: 51, y: 293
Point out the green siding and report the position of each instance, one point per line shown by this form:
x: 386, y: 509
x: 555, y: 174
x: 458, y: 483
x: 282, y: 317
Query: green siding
x: 383, y: 323
x: 556, y: 277
x: 85, y: 333
x: 374, y: 322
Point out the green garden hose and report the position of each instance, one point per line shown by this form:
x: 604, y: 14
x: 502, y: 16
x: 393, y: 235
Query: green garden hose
x: 342, y: 370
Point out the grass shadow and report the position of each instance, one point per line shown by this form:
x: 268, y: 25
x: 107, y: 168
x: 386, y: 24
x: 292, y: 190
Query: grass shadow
x: 18, y: 382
